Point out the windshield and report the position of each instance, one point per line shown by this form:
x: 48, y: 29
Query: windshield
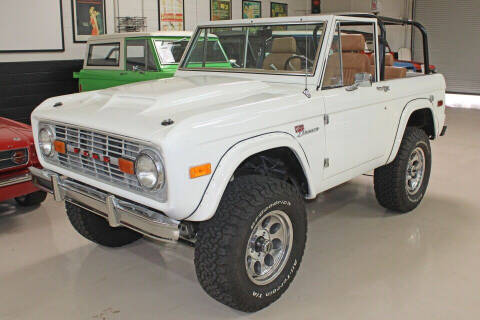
x: 169, y: 51
x: 279, y: 48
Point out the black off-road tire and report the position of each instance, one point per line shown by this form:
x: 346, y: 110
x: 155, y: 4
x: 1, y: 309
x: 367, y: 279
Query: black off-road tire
x: 31, y: 199
x: 390, y: 180
x: 96, y: 228
x: 220, y: 250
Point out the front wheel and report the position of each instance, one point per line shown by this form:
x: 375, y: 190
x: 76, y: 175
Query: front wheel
x: 96, y: 228
x: 401, y: 185
x: 247, y: 255
x: 31, y: 199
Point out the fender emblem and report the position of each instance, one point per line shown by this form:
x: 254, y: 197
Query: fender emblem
x: 305, y: 132
x: 299, y: 128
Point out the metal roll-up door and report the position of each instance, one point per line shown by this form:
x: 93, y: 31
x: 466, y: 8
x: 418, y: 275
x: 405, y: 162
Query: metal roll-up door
x: 453, y: 28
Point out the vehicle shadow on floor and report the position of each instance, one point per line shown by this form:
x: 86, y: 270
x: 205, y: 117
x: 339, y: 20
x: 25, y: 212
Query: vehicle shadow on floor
x: 354, y: 193
x: 9, y: 214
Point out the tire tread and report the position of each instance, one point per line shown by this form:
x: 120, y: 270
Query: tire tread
x: 215, y: 236
x: 389, y: 180
x: 96, y: 229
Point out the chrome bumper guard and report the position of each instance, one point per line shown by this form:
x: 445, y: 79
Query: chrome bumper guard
x: 118, y: 212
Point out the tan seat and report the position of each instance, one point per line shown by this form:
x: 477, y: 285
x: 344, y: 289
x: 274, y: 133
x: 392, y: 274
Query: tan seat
x: 391, y: 72
x: 282, y: 50
x: 353, y: 59
x: 389, y: 60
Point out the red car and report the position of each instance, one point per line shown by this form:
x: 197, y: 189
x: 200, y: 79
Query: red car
x: 17, y: 153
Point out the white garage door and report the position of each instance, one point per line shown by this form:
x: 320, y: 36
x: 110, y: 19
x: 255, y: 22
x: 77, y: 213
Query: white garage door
x: 453, y: 28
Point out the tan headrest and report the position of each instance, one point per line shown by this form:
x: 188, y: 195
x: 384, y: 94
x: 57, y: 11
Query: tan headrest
x: 388, y: 59
x: 353, y: 42
x: 284, y: 45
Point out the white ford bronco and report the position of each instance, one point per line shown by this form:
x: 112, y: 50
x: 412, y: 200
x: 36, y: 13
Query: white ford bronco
x: 222, y: 155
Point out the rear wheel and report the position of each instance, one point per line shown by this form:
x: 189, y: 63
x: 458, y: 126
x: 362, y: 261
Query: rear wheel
x: 401, y: 185
x: 31, y: 199
x: 247, y: 255
x: 97, y: 229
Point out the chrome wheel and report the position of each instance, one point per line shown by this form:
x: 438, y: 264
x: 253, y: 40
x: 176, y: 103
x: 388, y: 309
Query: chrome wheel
x: 415, y: 170
x: 269, y: 247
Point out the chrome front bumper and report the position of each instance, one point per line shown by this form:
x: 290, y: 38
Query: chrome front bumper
x: 18, y: 179
x: 118, y: 212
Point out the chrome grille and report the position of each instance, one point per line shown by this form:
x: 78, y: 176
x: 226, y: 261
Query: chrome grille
x: 101, y: 144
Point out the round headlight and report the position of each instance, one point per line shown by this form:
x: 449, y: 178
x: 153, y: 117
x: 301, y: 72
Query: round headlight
x: 45, y: 141
x: 149, y: 170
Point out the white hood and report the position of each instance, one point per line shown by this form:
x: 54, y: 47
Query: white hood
x: 138, y: 109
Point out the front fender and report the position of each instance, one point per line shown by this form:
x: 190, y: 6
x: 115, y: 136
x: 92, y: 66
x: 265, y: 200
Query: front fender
x: 412, y: 106
x: 233, y: 157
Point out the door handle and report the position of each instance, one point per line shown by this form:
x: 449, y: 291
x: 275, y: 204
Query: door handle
x: 384, y: 88
x: 353, y: 87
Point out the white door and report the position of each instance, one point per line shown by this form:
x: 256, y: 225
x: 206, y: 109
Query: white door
x: 358, y: 116
x: 356, y: 132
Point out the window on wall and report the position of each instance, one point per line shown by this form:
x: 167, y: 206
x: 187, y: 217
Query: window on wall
x: 140, y: 56
x: 351, y: 53
x: 104, y: 54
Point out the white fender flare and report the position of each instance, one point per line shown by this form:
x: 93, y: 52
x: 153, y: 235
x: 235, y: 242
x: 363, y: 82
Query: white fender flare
x: 233, y: 157
x: 412, y: 106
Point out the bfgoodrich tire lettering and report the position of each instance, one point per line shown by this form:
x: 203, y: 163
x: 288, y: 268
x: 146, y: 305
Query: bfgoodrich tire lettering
x: 390, y: 181
x: 222, y: 242
x: 96, y: 228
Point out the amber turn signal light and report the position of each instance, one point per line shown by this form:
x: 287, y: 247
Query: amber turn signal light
x: 201, y: 170
x: 59, y: 146
x: 126, y: 166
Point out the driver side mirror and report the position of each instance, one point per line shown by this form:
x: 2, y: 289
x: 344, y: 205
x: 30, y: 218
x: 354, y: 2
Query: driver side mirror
x: 363, y: 79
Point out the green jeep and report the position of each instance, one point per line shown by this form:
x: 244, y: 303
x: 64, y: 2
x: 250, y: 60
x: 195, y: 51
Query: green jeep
x: 121, y: 58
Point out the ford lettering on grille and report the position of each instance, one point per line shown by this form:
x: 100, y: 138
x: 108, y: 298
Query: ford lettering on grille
x: 96, y: 154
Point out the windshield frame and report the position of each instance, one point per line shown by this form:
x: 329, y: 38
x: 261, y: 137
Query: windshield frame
x: 253, y: 23
x: 155, y: 40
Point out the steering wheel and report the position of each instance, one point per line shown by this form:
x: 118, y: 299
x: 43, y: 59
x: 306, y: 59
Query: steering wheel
x: 302, y: 58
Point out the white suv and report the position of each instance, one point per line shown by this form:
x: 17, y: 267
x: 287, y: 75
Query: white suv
x: 222, y: 155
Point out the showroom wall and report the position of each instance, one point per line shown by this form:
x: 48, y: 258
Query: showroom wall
x: 28, y: 78
x: 397, y: 36
x: 196, y: 12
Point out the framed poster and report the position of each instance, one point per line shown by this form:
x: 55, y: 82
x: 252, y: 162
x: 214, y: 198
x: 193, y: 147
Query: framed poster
x: 251, y: 9
x: 31, y: 27
x: 171, y: 15
x: 88, y: 19
x: 220, y: 10
x: 278, y: 9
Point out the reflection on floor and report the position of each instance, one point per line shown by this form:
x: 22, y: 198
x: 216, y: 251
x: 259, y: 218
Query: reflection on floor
x: 462, y: 101
x: 361, y: 262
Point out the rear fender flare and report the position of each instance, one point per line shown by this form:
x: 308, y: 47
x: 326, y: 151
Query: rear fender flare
x: 412, y: 106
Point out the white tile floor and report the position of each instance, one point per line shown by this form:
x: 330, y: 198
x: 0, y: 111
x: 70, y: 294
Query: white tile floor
x: 361, y: 262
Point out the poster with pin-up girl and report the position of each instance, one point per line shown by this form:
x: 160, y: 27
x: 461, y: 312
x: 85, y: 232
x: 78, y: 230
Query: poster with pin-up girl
x: 88, y: 19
